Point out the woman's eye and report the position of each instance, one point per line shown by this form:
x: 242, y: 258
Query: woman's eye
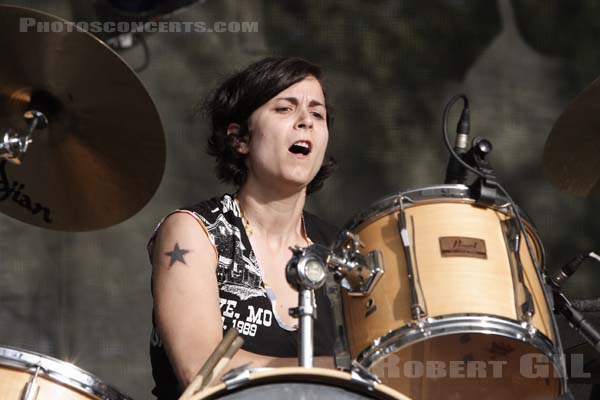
x: 282, y: 109
x: 318, y: 115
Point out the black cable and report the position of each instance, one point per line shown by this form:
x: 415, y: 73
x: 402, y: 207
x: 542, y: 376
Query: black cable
x: 445, y: 133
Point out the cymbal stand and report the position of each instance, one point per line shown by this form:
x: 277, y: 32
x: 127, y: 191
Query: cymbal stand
x: 14, y: 144
x: 305, y: 272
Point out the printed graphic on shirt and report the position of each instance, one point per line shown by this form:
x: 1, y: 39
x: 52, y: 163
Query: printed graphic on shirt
x: 249, y: 318
x: 237, y: 273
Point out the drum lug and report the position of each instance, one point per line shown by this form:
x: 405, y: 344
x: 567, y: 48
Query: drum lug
x: 531, y: 330
x: 363, y: 376
x: 32, y: 388
x: 524, y: 305
x: 422, y: 326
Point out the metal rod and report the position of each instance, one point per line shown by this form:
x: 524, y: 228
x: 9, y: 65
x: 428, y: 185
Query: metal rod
x: 307, y: 315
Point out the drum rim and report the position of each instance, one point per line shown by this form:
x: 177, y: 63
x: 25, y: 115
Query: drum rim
x: 58, y: 371
x: 456, y: 193
x: 453, y: 192
x: 457, y: 324
x: 253, y: 377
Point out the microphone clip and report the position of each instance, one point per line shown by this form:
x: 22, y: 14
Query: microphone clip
x: 485, y: 188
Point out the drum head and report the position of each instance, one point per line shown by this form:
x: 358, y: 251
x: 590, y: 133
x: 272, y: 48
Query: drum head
x: 471, y: 366
x: 301, y: 384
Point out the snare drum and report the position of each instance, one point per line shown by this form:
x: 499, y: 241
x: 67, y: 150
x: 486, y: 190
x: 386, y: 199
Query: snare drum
x: 47, y: 378
x: 297, y: 383
x: 475, y: 338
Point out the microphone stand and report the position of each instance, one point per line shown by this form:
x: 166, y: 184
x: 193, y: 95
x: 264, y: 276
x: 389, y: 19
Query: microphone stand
x: 566, y: 308
x: 576, y: 319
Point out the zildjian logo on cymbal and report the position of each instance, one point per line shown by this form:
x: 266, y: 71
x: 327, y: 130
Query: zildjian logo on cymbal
x: 15, y: 189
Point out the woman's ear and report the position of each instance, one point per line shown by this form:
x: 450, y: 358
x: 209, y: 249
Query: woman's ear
x: 238, y: 139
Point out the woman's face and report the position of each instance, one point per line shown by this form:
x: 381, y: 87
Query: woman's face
x: 288, y: 136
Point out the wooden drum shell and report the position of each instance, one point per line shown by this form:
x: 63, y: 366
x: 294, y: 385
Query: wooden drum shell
x: 451, y: 288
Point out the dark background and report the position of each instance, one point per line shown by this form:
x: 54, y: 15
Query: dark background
x: 390, y: 68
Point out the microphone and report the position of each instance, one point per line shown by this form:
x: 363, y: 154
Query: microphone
x: 455, y: 172
x: 577, y: 320
x: 558, y: 279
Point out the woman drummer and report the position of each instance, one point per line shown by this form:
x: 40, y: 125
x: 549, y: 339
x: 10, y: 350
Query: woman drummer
x: 220, y: 263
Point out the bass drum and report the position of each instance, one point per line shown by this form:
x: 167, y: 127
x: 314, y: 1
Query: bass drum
x: 474, y: 278
x: 296, y: 383
x: 25, y: 375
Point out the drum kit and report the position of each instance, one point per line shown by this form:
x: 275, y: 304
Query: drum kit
x: 437, y: 292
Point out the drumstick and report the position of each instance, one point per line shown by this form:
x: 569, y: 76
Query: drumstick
x: 199, y: 393
x: 215, y: 363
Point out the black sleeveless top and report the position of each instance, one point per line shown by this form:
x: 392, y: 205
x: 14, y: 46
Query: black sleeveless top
x: 245, y: 302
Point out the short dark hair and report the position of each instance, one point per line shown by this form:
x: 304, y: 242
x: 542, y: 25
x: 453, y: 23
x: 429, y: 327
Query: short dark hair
x: 239, y: 96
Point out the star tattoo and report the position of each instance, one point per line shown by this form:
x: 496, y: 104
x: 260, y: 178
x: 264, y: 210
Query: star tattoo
x: 176, y: 255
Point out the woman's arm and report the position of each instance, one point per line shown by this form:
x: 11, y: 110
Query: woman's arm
x: 186, y: 300
x: 186, y: 296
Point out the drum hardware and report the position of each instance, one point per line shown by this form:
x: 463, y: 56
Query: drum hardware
x: 32, y: 388
x: 357, y: 273
x: 363, y: 376
x: 296, y: 383
x: 240, y: 375
x: 14, y: 144
x: 342, y: 358
x: 306, y: 272
x: 418, y: 311
x: 523, y: 299
x: 485, y: 188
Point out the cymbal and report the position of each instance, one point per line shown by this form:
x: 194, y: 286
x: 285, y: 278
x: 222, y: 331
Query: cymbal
x: 102, y: 155
x: 571, y: 159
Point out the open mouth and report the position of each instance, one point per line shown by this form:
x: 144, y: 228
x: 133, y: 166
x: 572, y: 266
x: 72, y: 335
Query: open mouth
x: 300, y: 147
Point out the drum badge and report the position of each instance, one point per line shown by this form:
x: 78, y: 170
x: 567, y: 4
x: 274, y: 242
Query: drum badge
x: 458, y: 246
